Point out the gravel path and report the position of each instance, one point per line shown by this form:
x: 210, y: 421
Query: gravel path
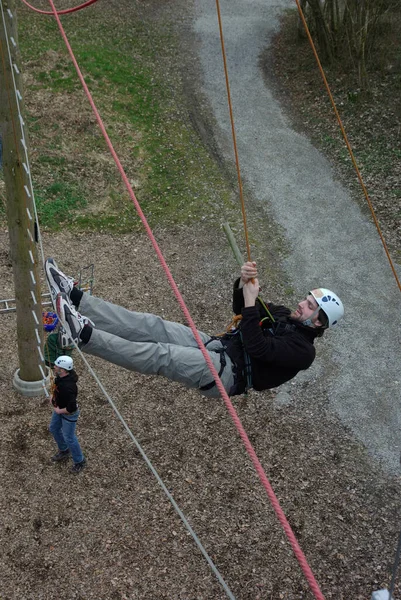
x: 331, y: 242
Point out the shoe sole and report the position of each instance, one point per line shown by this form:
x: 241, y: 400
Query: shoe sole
x: 63, y: 311
x: 63, y: 339
x: 55, y: 288
x: 79, y: 470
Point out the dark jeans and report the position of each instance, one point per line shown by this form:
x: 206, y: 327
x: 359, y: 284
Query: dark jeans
x: 62, y: 428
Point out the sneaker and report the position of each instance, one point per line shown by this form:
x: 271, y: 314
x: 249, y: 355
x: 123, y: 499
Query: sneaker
x: 61, y: 455
x: 78, y: 467
x: 58, y: 282
x: 63, y: 339
x: 72, y: 321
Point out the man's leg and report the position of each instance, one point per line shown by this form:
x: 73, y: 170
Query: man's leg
x: 185, y: 365
x: 69, y: 423
x: 135, y: 326
x: 55, y: 429
x: 115, y: 319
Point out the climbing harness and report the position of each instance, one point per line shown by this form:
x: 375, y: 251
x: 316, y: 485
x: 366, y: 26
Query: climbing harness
x: 242, y: 377
x: 247, y: 367
x: 223, y: 363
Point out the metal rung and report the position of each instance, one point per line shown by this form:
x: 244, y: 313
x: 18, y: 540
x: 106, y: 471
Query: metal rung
x: 7, y: 306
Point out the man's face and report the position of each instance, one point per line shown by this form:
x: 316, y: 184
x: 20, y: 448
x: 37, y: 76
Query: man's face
x: 58, y: 371
x: 305, y: 310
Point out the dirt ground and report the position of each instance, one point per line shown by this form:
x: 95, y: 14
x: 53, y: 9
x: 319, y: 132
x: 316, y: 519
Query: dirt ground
x: 112, y: 529
x: 110, y: 533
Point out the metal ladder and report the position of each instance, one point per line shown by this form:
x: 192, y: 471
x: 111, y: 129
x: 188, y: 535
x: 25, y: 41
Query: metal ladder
x: 84, y: 283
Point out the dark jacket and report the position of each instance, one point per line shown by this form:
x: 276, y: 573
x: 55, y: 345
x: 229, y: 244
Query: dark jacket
x: 277, y: 351
x: 66, y: 391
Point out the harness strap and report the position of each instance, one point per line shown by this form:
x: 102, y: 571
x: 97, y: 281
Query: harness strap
x: 223, y: 363
x: 248, y: 367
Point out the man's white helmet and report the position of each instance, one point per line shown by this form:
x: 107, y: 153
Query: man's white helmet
x: 330, y: 304
x: 64, y: 362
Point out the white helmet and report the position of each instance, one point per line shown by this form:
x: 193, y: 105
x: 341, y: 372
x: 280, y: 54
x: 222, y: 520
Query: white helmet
x: 330, y: 304
x: 64, y: 362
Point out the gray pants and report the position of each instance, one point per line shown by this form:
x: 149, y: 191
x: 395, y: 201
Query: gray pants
x: 147, y: 344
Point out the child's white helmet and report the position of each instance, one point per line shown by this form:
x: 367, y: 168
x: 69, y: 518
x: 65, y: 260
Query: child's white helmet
x: 64, y: 362
x: 330, y: 304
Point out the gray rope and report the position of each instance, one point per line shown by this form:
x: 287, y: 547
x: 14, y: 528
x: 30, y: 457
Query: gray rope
x: 159, y: 479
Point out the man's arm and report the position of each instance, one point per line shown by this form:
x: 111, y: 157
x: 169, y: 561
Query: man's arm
x: 287, y: 351
x: 251, y: 292
x: 248, y: 272
x: 60, y: 411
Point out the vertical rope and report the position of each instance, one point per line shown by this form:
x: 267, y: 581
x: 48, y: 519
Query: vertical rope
x: 234, y: 137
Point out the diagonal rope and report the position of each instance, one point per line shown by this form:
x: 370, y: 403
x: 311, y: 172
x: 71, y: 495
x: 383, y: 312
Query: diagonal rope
x: 249, y: 448
x: 158, y: 478
x: 351, y: 153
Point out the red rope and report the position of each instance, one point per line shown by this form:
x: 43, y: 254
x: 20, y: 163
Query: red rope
x: 60, y: 12
x: 249, y: 448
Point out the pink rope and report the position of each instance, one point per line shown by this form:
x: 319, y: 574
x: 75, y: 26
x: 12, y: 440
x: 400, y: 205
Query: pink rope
x: 60, y: 12
x: 249, y: 448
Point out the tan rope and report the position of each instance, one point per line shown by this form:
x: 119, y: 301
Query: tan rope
x: 347, y: 143
x: 241, y: 195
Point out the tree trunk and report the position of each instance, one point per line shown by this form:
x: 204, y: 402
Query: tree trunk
x: 322, y: 33
x: 301, y: 28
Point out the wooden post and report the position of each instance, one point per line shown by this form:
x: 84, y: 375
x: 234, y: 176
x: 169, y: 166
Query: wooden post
x: 20, y: 212
x: 234, y: 246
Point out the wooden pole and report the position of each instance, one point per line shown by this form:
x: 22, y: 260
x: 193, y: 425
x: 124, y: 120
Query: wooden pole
x: 20, y: 212
x: 234, y: 246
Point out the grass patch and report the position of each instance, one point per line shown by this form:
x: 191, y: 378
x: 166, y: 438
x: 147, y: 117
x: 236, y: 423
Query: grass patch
x: 57, y: 203
x: 141, y: 104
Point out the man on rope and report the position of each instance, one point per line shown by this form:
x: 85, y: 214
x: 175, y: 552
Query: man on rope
x: 269, y: 345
